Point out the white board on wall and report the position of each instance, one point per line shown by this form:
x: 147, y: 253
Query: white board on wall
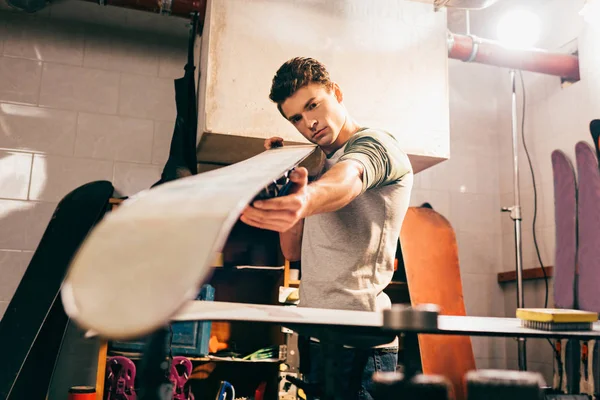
x: 388, y: 56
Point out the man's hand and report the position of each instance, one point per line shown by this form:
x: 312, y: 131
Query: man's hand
x: 281, y: 213
x: 273, y: 142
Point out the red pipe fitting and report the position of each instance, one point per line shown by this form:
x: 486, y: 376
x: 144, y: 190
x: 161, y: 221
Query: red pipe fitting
x: 470, y: 48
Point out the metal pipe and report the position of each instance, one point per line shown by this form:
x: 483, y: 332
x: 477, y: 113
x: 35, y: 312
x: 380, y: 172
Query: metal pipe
x: 516, y: 216
x: 177, y: 8
x: 470, y: 48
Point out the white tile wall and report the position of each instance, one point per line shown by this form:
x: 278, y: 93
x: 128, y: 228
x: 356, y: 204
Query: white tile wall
x: 12, y: 267
x: 439, y: 200
x: 36, y: 39
x: 23, y: 223
x: 479, y: 253
x: 489, y: 363
x: 482, y: 294
x: 3, y: 33
x: 81, y: 90
x: 131, y: 178
x: 147, y: 97
x: 110, y: 137
x: 52, y: 177
x: 172, y: 58
x: 489, y: 349
x: 35, y: 129
x: 163, y: 132
x: 87, y: 13
x: 122, y: 51
x: 479, y: 213
x: 15, y: 172
x: 24, y: 84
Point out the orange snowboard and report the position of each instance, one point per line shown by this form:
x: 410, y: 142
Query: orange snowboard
x: 430, y: 255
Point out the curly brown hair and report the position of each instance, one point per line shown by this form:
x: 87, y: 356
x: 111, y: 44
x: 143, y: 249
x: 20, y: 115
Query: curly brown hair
x: 295, y: 74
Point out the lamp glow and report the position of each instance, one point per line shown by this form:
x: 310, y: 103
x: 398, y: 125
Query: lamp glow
x: 591, y: 11
x: 519, y: 29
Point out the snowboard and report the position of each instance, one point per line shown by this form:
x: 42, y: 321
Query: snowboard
x: 32, y: 329
x: 565, y: 217
x: 588, y: 258
x: 142, y: 262
x: 595, y: 131
x: 430, y: 254
x: 566, y: 352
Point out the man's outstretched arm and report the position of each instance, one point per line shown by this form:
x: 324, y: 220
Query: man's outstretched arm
x: 334, y: 190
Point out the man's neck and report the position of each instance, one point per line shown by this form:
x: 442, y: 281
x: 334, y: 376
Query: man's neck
x: 349, y: 128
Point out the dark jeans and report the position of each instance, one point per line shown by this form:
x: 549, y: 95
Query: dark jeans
x: 354, y: 368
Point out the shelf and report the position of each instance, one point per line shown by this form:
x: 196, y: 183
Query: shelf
x: 255, y: 267
x: 138, y: 357
x: 393, y: 283
x: 528, y: 274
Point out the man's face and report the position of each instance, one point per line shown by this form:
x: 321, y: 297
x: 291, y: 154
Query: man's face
x: 317, y: 113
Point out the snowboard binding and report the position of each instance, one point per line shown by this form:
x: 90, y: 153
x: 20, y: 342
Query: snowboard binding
x: 120, y: 378
x: 181, y: 370
x: 279, y: 187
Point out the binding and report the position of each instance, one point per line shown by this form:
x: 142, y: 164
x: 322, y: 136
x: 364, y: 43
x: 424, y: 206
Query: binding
x: 120, y: 378
x: 181, y: 370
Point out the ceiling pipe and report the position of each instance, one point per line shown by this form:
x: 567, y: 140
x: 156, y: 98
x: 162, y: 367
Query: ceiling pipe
x: 459, y: 4
x: 177, y: 8
x: 469, y: 48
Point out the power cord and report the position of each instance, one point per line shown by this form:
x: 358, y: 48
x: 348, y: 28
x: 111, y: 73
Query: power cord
x: 535, y: 242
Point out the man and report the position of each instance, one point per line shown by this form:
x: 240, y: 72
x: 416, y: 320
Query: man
x: 343, y: 226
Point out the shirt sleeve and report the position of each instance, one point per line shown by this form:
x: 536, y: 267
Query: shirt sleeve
x: 380, y: 154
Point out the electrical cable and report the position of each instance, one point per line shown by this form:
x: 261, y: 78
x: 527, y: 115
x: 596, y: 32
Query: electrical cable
x: 535, y: 242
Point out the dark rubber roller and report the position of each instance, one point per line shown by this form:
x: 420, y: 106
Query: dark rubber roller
x: 392, y: 385
x: 493, y: 384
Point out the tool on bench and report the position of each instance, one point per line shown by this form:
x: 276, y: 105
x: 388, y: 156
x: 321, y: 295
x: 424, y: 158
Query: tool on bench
x: 554, y: 319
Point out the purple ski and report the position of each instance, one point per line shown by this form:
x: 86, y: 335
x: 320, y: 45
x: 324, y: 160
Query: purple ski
x: 565, y: 216
x: 595, y: 131
x: 588, y: 258
x: 565, y: 272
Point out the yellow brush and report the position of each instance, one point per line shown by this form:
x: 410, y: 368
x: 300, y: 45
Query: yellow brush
x: 554, y: 319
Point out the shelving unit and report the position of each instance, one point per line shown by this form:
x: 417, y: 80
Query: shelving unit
x: 248, y: 271
x: 528, y: 274
x: 235, y: 279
